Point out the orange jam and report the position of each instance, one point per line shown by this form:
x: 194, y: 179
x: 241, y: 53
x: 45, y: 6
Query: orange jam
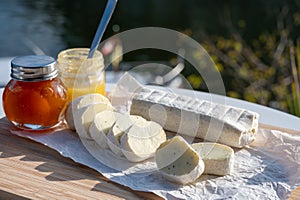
x: 35, y: 98
x: 39, y: 104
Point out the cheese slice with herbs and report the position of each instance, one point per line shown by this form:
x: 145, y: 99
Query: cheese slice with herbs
x: 178, y: 162
x: 123, y: 123
x: 218, y: 158
x: 81, y: 102
x: 84, y: 117
x: 193, y: 117
x: 141, y: 140
x: 101, y: 125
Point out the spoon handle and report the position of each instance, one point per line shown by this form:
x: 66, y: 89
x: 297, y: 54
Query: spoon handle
x: 109, y: 9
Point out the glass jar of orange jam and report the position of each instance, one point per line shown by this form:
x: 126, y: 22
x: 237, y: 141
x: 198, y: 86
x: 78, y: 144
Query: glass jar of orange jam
x: 81, y: 75
x: 34, y: 98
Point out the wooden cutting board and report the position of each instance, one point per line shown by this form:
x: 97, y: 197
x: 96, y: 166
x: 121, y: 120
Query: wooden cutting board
x: 30, y: 170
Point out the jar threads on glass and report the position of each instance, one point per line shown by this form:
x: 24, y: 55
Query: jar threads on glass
x: 80, y: 74
x: 35, y: 98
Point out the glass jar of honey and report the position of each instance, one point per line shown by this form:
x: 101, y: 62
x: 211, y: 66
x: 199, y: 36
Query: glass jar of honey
x: 80, y: 74
x: 35, y: 98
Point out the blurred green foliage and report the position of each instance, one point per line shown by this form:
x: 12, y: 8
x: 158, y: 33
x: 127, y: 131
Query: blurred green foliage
x: 261, y: 65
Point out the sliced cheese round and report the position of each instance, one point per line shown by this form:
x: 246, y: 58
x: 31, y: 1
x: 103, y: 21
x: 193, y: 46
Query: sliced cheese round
x: 84, y: 117
x: 178, y: 162
x: 101, y: 125
x: 81, y: 102
x: 123, y: 123
x: 142, y: 140
x: 218, y: 158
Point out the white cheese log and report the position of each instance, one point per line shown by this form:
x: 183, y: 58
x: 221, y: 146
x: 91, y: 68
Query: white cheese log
x: 123, y: 123
x: 101, y: 125
x: 177, y: 161
x: 81, y: 102
x: 218, y: 158
x: 197, y: 118
x: 84, y: 117
x: 141, y: 140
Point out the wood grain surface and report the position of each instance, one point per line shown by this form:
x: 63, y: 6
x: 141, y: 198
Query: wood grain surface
x: 29, y: 170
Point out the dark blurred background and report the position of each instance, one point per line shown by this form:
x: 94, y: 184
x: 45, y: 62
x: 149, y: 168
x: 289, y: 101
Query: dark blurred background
x: 255, y: 44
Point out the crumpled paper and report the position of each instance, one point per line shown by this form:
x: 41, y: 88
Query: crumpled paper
x: 268, y: 169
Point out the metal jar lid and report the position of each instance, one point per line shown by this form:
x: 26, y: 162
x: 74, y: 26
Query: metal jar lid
x: 33, y: 68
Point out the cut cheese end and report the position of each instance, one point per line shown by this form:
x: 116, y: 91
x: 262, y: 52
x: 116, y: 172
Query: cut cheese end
x: 178, y: 161
x: 142, y: 140
x: 197, y: 118
x: 218, y: 159
x: 84, y: 117
x: 92, y: 98
x: 81, y: 102
x: 101, y: 125
x: 123, y: 123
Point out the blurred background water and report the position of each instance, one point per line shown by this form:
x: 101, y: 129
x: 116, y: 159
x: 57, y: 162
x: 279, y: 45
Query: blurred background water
x: 255, y: 44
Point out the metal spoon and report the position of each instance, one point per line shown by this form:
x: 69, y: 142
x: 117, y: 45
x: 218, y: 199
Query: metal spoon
x: 109, y: 9
x: 163, y: 80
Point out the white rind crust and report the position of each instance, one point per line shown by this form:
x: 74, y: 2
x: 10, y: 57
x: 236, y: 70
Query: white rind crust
x: 114, y: 144
x: 101, y: 125
x: 193, y: 117
x: 98, y: 136
x: 123, y: 123
x: 81, y: 102
x: 142, y: 140
x: 176, y: 152
x: 84, y: 117
x: 218, y: 158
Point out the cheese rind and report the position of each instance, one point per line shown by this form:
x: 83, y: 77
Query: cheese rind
x: 84, y: 117
x: 141, y: 140
x: 218, y: 158
x: 123, y: 123
x: 81, y: 102
x: 197, y: 118
x: 178, y: 162
x: 101, y: 125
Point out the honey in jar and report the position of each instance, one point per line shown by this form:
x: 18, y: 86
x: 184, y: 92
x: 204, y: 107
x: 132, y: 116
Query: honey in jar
x: 35, y: 98
x: 80, y: 74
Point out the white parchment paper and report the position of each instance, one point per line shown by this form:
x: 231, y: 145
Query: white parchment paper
x: 268, y: 169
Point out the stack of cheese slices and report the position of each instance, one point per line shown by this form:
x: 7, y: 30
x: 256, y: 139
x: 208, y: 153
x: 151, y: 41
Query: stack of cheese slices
x: 93, y: 117
x: 140, y: 135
